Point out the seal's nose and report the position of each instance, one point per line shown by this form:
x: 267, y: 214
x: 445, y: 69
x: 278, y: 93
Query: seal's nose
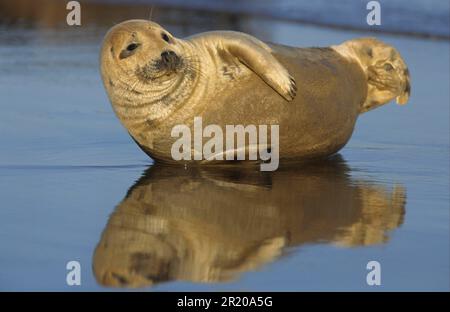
x: 169, y: 57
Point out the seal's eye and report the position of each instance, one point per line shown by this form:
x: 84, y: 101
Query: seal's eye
x: 165, y: 37
x: 129, y: 50
x: 132, y: 46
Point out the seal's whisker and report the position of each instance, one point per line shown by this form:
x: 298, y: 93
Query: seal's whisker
x: 151, y: 13
x: 196, y: 70
x: 192, y: 63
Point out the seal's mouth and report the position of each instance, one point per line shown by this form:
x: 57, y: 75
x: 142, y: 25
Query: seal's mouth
x: 169, y: 63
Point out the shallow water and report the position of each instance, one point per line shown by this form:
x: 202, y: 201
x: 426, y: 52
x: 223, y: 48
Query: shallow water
x: 66, y: 166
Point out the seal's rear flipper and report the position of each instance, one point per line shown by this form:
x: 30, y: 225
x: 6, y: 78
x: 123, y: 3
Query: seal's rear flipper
x: 403, y: 98
x: 386, y: 71
x: 386, y: 82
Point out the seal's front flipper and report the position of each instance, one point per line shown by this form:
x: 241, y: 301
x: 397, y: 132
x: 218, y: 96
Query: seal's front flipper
x: 256, y: 55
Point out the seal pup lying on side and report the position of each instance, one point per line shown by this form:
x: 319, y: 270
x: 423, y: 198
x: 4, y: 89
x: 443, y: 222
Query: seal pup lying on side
x: 156, y: 82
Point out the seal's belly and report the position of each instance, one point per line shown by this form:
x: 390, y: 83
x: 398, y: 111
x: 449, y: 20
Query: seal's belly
x: 317, y: 123
x: 321, y: 118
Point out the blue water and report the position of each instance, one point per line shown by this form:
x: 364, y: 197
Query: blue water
x: 66, y: 166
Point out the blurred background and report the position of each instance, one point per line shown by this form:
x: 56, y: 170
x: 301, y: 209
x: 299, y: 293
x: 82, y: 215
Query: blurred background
x: 66, y: 163
x: 416, y: 17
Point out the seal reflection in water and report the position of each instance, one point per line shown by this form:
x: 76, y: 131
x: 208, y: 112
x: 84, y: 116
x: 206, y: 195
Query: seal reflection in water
x: 210, y: 226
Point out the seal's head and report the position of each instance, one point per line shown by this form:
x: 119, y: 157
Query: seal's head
x: 142, y: 50
x: 146, y: 71
x: 387, y: 73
